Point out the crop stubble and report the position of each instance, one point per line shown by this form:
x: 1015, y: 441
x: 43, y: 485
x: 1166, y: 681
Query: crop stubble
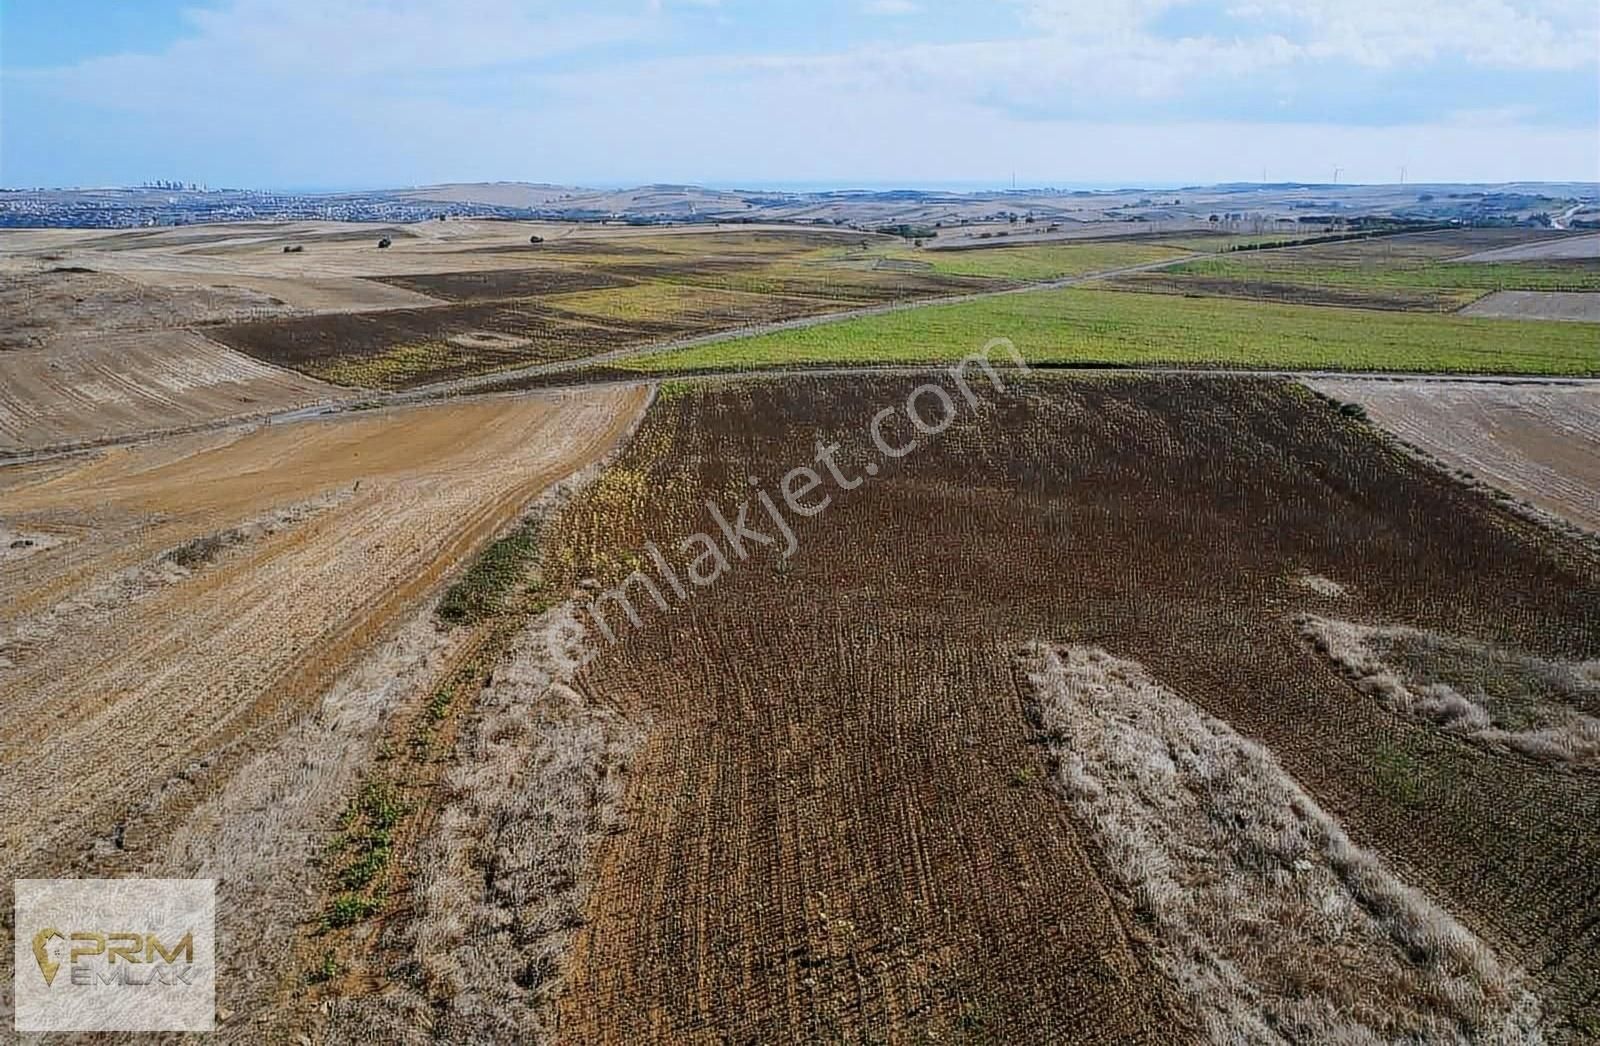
x: 1538, y: 442
x: 84, y: 387
x: 839, y: 827
x: 193, y: 659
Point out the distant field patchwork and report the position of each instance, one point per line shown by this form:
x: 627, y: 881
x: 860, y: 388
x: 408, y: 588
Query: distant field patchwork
x: 1040, y: 262
x: 1414, y: 273
x: 1089, y: 327
x: 564, y: 301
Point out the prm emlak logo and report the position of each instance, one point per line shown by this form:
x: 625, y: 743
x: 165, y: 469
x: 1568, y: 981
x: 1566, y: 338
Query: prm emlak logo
x: 115, y: 954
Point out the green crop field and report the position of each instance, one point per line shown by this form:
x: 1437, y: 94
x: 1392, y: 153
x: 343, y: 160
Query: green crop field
x: 1048, y: 261
x: 1088, y: 327
x: 1221, y: 242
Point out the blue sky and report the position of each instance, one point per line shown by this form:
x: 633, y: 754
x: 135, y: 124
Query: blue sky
x: 351, y: 93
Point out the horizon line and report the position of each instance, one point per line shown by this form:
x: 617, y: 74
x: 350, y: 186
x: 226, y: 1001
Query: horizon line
x: 812, y: 187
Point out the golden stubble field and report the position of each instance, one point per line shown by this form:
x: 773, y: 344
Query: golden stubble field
x: 204, y: 630
x: 1537, y: 442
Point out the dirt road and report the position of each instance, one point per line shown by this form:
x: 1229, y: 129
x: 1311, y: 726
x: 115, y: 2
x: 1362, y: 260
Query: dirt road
x: 501, y: 378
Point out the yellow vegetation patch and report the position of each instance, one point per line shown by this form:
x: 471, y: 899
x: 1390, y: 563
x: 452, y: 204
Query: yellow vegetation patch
x: 392, y: 369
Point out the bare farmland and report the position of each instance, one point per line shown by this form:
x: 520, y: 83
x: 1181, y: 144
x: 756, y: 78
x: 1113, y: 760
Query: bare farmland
x: 888, y: 788
x: 218, y: 584
x: 1545, y: 248
x: 1539, y: 443
x: 1578, y: 306
x: 839, y: 821
x: 86, y: 387
x: 34, y: 306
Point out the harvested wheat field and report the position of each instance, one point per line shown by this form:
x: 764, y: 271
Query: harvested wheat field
x: 1573, y: 306
x: 221, y: 617
x: 844, y: 796
x: 88, y: 388
x: 447, y: 300
x: 1580, y: 247
x: 1538, y: 443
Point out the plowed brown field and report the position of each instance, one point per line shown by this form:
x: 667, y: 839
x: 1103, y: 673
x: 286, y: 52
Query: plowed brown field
x: 839, y: 828
x: 203, y: 591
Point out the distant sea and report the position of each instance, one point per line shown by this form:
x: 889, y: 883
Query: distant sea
x: 1022, y: 185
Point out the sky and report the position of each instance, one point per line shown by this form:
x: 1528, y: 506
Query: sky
x: 325, y: 94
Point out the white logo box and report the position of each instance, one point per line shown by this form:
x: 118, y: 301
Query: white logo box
x: 115, y: 955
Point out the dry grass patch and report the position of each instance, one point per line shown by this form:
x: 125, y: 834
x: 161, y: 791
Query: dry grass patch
x: 1322, y: 586
x: 536, y: 777
x: 1273, y: 924
x: 523, y: 774
x: 1502, y: 698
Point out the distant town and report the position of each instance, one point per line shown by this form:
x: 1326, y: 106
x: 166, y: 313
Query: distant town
x: 170, y: 203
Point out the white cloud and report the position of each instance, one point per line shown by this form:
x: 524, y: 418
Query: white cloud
x: 1094, y: 18
x: 890, y: 7
x: 404, y: 91
x: 1044, y: 73
x: 1525, y: 34
x: 1541, y: 34
x: 344, y: 39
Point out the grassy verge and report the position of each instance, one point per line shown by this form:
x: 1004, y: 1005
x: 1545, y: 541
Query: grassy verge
x: 1089, y: 327
x: 365, y: 865
x: 483, y: 589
